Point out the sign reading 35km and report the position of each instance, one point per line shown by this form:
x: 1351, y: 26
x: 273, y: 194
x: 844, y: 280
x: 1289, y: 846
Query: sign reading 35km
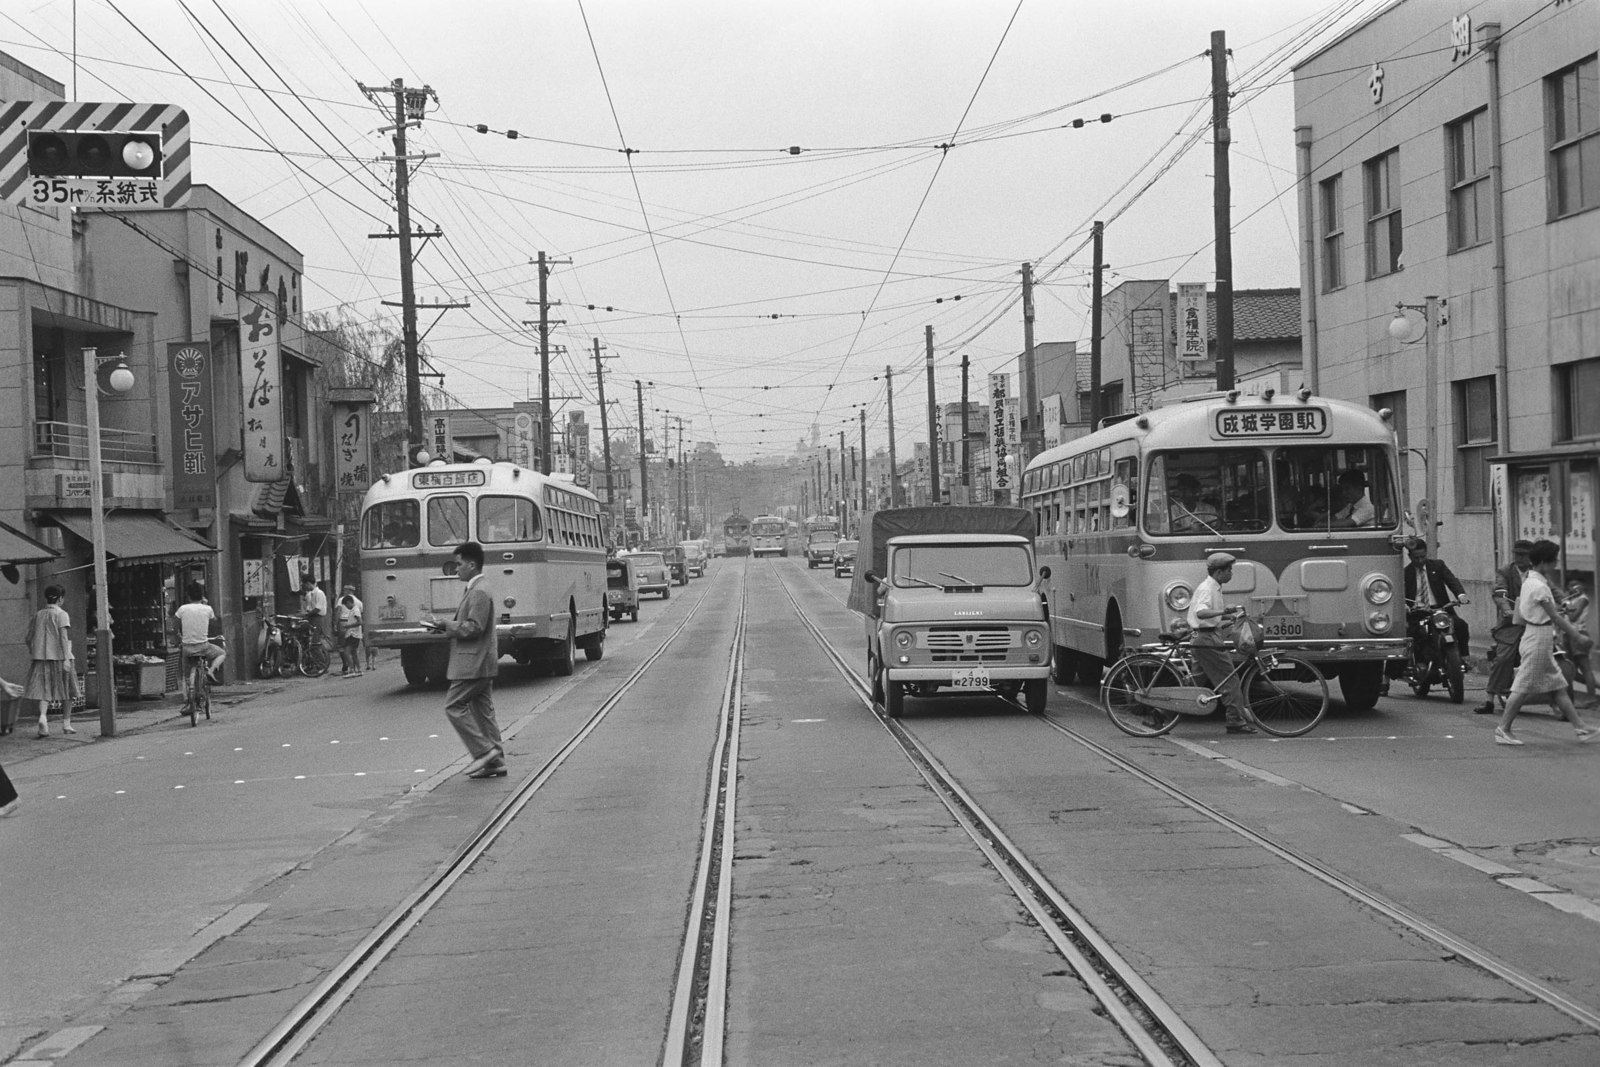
x: 84, y: 154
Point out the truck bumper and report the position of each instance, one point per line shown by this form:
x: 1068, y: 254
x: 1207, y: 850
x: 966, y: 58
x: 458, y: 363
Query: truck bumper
x: 997, y: 673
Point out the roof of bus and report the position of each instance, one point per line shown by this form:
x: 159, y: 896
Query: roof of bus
x: 1188, y: 424
x: 503, y: 476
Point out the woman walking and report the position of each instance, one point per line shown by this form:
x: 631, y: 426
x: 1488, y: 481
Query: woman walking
x: 1538, y: 674
x: 50, y: 679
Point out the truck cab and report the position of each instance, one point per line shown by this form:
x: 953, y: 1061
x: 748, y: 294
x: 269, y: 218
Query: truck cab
x: 951, y: 602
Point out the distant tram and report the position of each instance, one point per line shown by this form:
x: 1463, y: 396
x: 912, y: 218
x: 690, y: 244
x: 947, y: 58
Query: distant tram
x: 736, y: 535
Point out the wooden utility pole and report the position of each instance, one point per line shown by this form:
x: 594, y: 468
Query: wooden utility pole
x: 1094, y: 328
x: 933, y: 425
x: 545, y: 322
x: 866, y: 505
x: 644, y: 461
x: 1033, y: 431
x: 605, y: 431
x: 1221, y: 192
x: 966, y: 454
x: 894, y: 471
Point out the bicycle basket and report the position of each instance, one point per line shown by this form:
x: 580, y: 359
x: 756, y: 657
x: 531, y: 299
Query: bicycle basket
x: 1247, y: 635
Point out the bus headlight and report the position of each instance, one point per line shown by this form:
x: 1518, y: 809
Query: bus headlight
x: 510, y: 601
x: 1377, y: 589
x: 902, y: 639
x: 1033, y: 638
x: 1177, y: 596
x: 1379, y: 622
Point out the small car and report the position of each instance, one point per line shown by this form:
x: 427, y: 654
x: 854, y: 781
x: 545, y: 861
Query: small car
x: 719, y: 549
x: 844, y: 558
x: 694, y: 555
x: 654, y: 577
x: 622, y: 589
x: 677, y: 563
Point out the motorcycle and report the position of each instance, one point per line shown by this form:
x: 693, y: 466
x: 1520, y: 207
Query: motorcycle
x: 1435, y: 652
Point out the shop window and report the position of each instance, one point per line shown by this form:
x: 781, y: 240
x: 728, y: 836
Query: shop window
x: 1573, y: 111
x: 1385, y: 233
x: 1475, y: 441
x: 1578, y: 400
x: 1330, y: 201
x: 1469, y: 207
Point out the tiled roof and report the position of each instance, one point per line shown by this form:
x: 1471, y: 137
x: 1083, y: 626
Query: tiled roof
x: 1258, y: 314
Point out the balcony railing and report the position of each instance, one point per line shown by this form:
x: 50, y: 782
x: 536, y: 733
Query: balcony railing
x: 70, y: 440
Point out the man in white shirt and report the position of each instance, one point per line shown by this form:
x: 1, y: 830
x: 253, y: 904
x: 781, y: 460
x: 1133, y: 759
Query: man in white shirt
x: 195, y: 620
x: 314, y: 606
x: 1212, y: 623
x: 1355, y: 506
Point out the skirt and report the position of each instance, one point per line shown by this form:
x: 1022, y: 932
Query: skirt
x: 49, y: 680
x: 1538, y: 671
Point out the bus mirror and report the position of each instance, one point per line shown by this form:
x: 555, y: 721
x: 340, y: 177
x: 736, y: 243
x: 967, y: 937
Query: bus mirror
x: 1119, y: 501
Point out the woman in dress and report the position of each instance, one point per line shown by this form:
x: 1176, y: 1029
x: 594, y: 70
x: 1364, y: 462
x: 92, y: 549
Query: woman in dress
x: 50, y: 679
x: 1538, y: 674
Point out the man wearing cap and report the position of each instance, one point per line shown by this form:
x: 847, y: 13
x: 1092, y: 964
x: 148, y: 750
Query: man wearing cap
x: 1212, y: 622
x: 1508, y: 629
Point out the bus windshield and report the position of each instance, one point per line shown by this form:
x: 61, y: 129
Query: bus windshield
x: 1326, y: 488
x: 1208, y: 491
x: 946, y: 565
x: 391, y: 524
x: 768, y: 529
x: 1311, y: 487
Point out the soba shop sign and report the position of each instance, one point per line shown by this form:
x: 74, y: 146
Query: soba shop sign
x: 1297, y: 422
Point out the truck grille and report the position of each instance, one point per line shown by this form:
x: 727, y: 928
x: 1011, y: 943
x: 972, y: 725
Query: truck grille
x: 989, y: 644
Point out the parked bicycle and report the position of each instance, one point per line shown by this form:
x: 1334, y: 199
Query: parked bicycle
x: 197, y: 687
x: 1150, y: 688
x: 293, y: 645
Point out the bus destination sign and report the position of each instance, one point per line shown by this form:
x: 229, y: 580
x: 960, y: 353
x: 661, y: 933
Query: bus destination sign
x: 445, y: 479
x: 1295, y: 422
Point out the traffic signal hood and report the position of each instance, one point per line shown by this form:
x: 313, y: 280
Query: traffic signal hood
x: 94, y: 154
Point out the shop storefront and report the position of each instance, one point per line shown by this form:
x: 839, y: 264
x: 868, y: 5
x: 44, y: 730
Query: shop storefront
x: 1551, y: 496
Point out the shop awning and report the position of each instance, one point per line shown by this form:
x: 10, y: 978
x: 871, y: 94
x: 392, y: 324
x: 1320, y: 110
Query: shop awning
x: 18, y: 547
x: 134, y: 535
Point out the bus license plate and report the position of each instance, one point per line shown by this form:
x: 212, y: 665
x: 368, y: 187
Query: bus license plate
x: 392, y: 612
x: 1282, y: 626
x: 970, y: 678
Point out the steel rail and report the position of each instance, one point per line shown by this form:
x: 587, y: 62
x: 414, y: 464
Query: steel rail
x: 1459, y: 946
x: 1153, y: 1026
x: 296, y: 1029
x: 697, y: 1023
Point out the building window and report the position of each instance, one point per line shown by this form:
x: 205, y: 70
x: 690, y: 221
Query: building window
x: 1467, y: 142
x: 1331, y: 200
x: 1475, y: 441
x: 1384, y: 238
x: 1574, y: 110
x: 1578, y: 400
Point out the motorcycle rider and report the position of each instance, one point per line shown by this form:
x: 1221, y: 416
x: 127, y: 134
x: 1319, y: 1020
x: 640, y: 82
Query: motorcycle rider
x: 1444, y: 589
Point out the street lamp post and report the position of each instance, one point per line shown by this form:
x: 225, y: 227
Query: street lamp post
x: 1400, y: 330
x: 120, y: 380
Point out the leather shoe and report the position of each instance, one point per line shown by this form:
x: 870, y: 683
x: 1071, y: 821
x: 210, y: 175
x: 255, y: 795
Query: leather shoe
x: 489, y: 770
x: 1486, y: 708
x: 1241, y: 728
x: 494, y: 755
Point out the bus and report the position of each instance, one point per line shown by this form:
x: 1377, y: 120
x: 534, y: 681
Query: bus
x: 736, y: 535
x: 1301, y: 489
x: 769, y: 536
x: 544, y: 561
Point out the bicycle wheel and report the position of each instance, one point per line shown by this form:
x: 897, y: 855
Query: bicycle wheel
x: 196, y: 687
x: 1119, y: 694
x: 314, y: 658
x: 1286, y: 695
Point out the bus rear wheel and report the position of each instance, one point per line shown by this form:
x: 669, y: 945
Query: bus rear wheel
x: 414, y: 663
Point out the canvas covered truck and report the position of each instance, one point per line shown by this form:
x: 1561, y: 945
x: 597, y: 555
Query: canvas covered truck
x: 951, y: 601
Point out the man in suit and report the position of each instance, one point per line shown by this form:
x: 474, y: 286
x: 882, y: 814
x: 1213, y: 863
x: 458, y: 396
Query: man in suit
x: 1443, y: 588
x: 474, y: 658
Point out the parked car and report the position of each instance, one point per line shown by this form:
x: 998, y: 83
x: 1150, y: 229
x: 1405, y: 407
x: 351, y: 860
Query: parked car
x: 677, y: 564
x: 844, y: 558
x: 694, y: 555
x: 654, y: 577
x: 622, y: 588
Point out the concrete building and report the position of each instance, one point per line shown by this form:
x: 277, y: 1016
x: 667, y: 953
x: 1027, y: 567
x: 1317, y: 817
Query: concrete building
x: 1449, y: 160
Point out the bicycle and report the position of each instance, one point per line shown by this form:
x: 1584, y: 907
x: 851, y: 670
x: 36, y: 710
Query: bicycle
x: 198, y: 684
x: 298, y: 649
x: 1149, y: 688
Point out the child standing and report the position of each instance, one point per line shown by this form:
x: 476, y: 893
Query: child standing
x: 1575, y: 609
x: 347, y: 618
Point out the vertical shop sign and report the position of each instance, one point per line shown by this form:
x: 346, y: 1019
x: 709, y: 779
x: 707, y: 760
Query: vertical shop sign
x: 261, y: 387
x: 353, y: 448
x: 1052, y: 420
x: 1580, y: 525
x: 441, y: 442
x: 189, y: 382
x: 999, y: 447
x: 578, y: 447
x: 1536, y: 520
x: 1192, y: 326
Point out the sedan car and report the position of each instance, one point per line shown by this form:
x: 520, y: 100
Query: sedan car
x: 653, y: 574
x: 844, y: 558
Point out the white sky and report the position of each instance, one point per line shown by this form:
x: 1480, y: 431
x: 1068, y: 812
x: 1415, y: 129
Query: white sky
x: 853, y: 243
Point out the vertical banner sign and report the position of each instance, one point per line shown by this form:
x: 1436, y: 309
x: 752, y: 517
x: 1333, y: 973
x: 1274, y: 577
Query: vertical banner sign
x: 189, y: 382
x: 578, y: 445
x: 999, y: 449
x: 1052, y: 420
x: 353, y: 451
x: 441, y: 442
x: 261, y: 386
x: 1192, y: 325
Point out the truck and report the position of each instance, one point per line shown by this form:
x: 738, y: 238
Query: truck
x: 821, y: 534
x: 951, y: 601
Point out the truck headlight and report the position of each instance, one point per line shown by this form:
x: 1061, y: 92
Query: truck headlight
x: 1033, y: 638
x: 902, y: 639
x: 1177, y: 596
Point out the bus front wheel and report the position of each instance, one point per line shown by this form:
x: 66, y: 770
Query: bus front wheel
x: 1361, y: 684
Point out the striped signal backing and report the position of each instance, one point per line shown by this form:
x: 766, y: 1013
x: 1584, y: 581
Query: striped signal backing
x: 17, y: 117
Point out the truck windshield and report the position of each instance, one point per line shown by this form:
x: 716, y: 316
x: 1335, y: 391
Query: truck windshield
x: 946, y: 565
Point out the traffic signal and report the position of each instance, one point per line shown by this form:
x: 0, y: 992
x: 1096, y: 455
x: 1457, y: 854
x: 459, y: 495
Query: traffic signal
x: 94, y: 154
x: 417, y: 456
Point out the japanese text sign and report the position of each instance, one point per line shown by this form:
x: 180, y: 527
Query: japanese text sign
x: 192, y: 414
x: 352, y: 433
x: 999, y: 436
x: 1290, y: 422
x: 1192, y: 326
x: 261, y: 387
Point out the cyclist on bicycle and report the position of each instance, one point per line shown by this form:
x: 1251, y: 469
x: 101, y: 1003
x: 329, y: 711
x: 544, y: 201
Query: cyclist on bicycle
x: 196, y: 620
x: 1212, y: 623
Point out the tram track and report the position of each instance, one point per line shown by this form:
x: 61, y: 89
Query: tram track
x: 699, y: 986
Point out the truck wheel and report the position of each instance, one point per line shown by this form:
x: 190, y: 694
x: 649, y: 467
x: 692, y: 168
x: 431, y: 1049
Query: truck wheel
x: 1063, y: 664
x: 894, y: 697
x: 1090, y: 669
x: 594, y: 646
x: 1035, y: 695
x: 634, y: 614
x: 877, y: 679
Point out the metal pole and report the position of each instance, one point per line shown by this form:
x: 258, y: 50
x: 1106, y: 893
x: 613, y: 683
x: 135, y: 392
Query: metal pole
x: 104, y: 671
x: 1430, y: 335
x: 1033, y: 436
x: 866, y: 506
x: 966, y: 454
x: 644, y: 462
x: 894, y: 471
x: 933, y: 425
x: 1094, y: 329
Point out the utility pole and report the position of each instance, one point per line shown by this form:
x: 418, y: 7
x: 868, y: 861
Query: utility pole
x: 1094, y: 328
x: 866, y: 506
x: 933, y: 424
x: 644, y: 462
x: 1221, y: 192
x: 605, y: 432
x: 844, y: 481
x: 545, y: 322
x: 409, y: 107
x: 966, y: 454
x: 894, y: 471
x: 1033, y: 433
